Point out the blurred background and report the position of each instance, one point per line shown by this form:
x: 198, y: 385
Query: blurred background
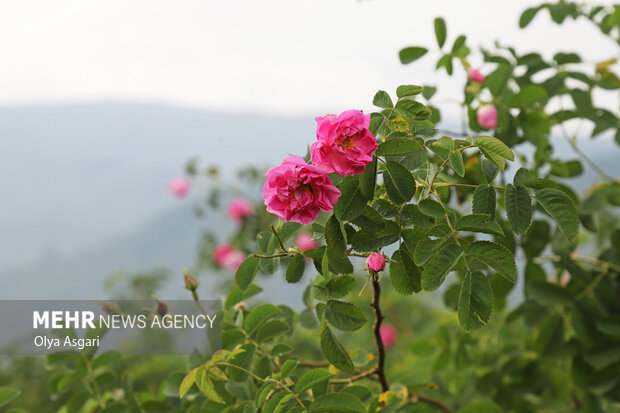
x: 103, y: 102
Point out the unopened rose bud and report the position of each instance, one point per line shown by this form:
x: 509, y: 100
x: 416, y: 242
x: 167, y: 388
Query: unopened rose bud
x: 388, y: 335
x: 474, y: 75
x: 375, y: 262
x: 487, y: 116
x: 110, y: 308
x: 162, y: 308
x: 190, y: 282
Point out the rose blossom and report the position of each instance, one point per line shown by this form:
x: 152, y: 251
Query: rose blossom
x: 375, y: 262
x: 239, y: 209
x: 179, y: 186
x: 344, y: 143
x: 296, y: 191
x: 305, y: 241
x: 225, y: 256
x: 474, y: 75
x: 487, y: 116
x: 388, y: 335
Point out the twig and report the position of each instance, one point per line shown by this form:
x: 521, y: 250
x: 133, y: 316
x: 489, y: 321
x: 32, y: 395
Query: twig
x: 430, y: 400
x: 360, y: 376
x: 273, y: 229
x: 380, y: 370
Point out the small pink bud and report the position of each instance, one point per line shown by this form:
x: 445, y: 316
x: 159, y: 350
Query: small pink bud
x: 240, y: 209
x: 162, y: 308
x: 388, y: 335
x: 190, y: 282
x: 474, y: 75
x: 225, y: 256
x: 179, y: 186
x: 305, y: 241
x: 565, y: 279
x: 487, y: 116
x: 376, y: 262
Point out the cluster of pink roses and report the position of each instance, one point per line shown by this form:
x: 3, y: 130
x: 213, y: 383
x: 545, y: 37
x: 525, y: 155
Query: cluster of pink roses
x: 486, y: 114
x: 297, y: 191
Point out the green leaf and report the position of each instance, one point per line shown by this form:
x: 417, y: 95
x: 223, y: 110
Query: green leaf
x: 370, y: 220
x: 271, y: 329
x: 564, y: 58
x: 490, y: 170
x: 344, y: 316
x: 567, y: 169
x: 382, y: 100
x: 495, y: 256
x: 334, y: 236
x: 295, y: 268
x: 247, y: 272
x: 7, y: 395
x: 479, y: 223
x: 432, y: 208
x: 399, y: 146
x: 440, y: 31
x: 368, y: 179
x: 335, y: 352
x: 439, y: 266
x: 352, y: 202
x: 548, y: 294
x: 366, y: 241
x: 494, y: 150
x: 288, y: 367
x: 456, y: 162
x: 311, y: 378
x: 409, y: 90
x: 188, y: 382
x: 259, y: 316
x: 337, y: 403
x: 561, y: 208
x: 411, y: 54
x: 399, y: 182
x: 481, y: 406
x: 484, y: 200
x: 527, y: 16
x: 518, y: 208
x: 475, y: 301
x: 206, y: 386
x: 528, y: 95
x: 405, y: 275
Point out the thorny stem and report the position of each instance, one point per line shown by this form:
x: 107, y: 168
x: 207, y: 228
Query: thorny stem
x: 380, y: 370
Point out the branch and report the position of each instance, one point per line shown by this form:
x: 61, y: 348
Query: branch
x: 380, y: 370
x: 430, y: 400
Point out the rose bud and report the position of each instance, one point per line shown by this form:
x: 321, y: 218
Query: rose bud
x: 162, y: 308
x: 388, y: 335
x: 190, y: 282
x: 240, y: 209
x: 179, y: 186
x: 474, y: 75
x: 487, y: 116
x: 375, y: 262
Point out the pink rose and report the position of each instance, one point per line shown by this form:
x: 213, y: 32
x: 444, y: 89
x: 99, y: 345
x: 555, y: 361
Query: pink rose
x: 474, y: 75
x: 296, y: 191
x: 487, y: 116
x: 305, y: 241
x: 239, y: 209
x: 344, y: 143
x: 375, y: 262
x: 225, y: 256
x: 179, y: 186
x: 388, y: 335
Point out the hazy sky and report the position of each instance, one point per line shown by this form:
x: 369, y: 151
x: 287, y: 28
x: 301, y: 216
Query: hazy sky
x: 268, y: 56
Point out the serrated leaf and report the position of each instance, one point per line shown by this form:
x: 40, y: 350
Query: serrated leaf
x: 408, y: 90
x: 432, y: 208
x: 440, y: 31
x: 340, y: 286
x: 337, y: 403
x: 475, y: 301
x: 405, y: 275
x: 258, y: 316
x: 518, y: 208
x: 247, y: 272
x: 344, y: 316
x: 368, y: 180
x: 295, y: 268
x: 370, y: 220
x: 399, y: 146
x: 271, y: 329
x: 382, y: 100
x: 206, y: 386
x: 561, y: 208
x: 366, y: 241
x: 484, y: 200
x: 335, y: 352
x: 188, y: 382
x: 439, y: 266
x: 456, y: 162
x: 411, y: 54
x: 489, y: 170
x: 311, y: 378
x: 351, y: 202
x: 494, y: 150
x: 479, y: 223
x: 399, y: 182
x: 288, y: 367
x: 334, y: 236
x: 495, y: 256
